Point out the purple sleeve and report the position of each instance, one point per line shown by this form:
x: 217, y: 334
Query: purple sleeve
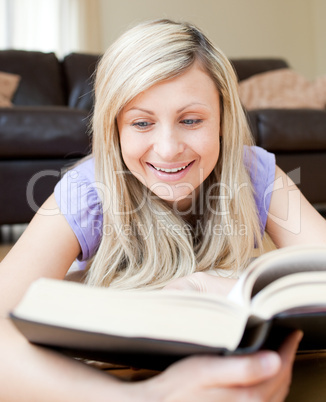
x: 262, y: 173
x: 77, y: 198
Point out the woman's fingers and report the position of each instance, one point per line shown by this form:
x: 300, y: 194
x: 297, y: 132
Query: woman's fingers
x: 203, y: 282
x: 277, y: 388
x: 228, y: 371
x: 263, y: 376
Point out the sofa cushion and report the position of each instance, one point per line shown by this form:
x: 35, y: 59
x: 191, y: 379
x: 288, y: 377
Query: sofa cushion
x: 284, y: 88
x: 41, y: 80
x: 289, y: 130
x: 8, y: 85
x: 43, y: 132
x: 79, y: 73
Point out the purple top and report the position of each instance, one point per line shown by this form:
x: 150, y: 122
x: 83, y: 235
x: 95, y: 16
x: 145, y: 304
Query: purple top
x: 77, y: 198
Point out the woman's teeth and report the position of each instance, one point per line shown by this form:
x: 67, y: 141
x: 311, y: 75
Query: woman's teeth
x: 171, y: 170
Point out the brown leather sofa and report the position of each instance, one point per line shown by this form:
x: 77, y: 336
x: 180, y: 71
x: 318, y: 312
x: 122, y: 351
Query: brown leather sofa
x: 296, y: 136
x: 47, y: 129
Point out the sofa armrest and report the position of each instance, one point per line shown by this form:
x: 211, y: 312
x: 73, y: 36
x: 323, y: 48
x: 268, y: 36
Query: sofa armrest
x: 289, y: 130
x: 43, y: 132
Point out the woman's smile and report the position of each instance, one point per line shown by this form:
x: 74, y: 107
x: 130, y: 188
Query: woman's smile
x: 171, y: 173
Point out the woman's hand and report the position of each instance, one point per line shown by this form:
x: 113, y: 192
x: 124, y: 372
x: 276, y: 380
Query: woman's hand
x: 203, y: 282
x: 263, y: 376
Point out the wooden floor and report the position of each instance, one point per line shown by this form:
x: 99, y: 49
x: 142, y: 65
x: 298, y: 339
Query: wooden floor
x: 9, y: 234
x: 4, y: 248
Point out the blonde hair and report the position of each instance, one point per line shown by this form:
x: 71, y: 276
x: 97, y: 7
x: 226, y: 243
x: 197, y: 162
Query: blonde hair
x: 150, y: 244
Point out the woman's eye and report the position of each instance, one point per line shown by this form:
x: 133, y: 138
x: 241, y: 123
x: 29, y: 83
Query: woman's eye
x: 142, y: 124
x: 191, y: 122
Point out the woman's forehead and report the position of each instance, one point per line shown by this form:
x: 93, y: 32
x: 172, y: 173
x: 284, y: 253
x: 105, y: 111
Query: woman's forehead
x: 191, y: 87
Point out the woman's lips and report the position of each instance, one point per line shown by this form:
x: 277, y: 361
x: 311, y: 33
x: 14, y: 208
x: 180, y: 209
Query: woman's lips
x: 171, y: 175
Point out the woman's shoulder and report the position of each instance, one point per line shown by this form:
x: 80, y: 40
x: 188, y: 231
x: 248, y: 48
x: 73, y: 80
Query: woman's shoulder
x: 260, y: 165
x: 261, y: 168
x: 78, y: 200
x: 78, y: 185
x: 254, y: 155
x: 83, y: 170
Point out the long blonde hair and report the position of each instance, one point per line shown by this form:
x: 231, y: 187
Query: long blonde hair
x: 149, y: 244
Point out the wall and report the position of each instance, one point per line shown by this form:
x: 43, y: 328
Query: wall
x: 292, y: 29
x: 319, y: 10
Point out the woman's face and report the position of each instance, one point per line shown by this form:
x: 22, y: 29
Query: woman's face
x: 169, y: 135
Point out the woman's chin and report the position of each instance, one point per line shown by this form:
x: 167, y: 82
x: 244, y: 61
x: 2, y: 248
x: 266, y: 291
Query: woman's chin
x: 183, y: 203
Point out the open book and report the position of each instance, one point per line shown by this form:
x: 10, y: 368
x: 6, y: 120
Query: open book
x: 281, y: 290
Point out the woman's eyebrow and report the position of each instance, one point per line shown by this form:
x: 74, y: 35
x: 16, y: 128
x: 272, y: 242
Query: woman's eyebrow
x: 178, y: 111
x: 191, y: 104
x: 140, y: 109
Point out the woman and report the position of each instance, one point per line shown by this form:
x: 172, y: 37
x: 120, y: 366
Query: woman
x: 172, y: 175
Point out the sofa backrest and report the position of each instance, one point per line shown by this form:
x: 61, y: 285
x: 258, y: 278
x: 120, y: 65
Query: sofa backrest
x: 46, y: 81
x: 41, y: 78
x: 79, y: 71
x: 246, y: 68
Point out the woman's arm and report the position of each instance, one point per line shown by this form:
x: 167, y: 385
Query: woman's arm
x: 32, y: 373
x: 291, y: 218
x: 29, y: 373
x: 47, y: 248
x: 35, y: 374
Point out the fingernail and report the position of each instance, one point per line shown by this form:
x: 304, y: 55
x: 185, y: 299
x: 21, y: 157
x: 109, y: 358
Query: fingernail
x: 299, y: 336
x: 270, y: 362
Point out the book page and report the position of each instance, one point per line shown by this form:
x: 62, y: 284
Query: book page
x: 277, y: 264
x: 300, y: 292
x: 167, y: 315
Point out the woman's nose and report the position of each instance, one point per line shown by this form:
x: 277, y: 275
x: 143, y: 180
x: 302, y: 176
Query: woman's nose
x: 168, y: 145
